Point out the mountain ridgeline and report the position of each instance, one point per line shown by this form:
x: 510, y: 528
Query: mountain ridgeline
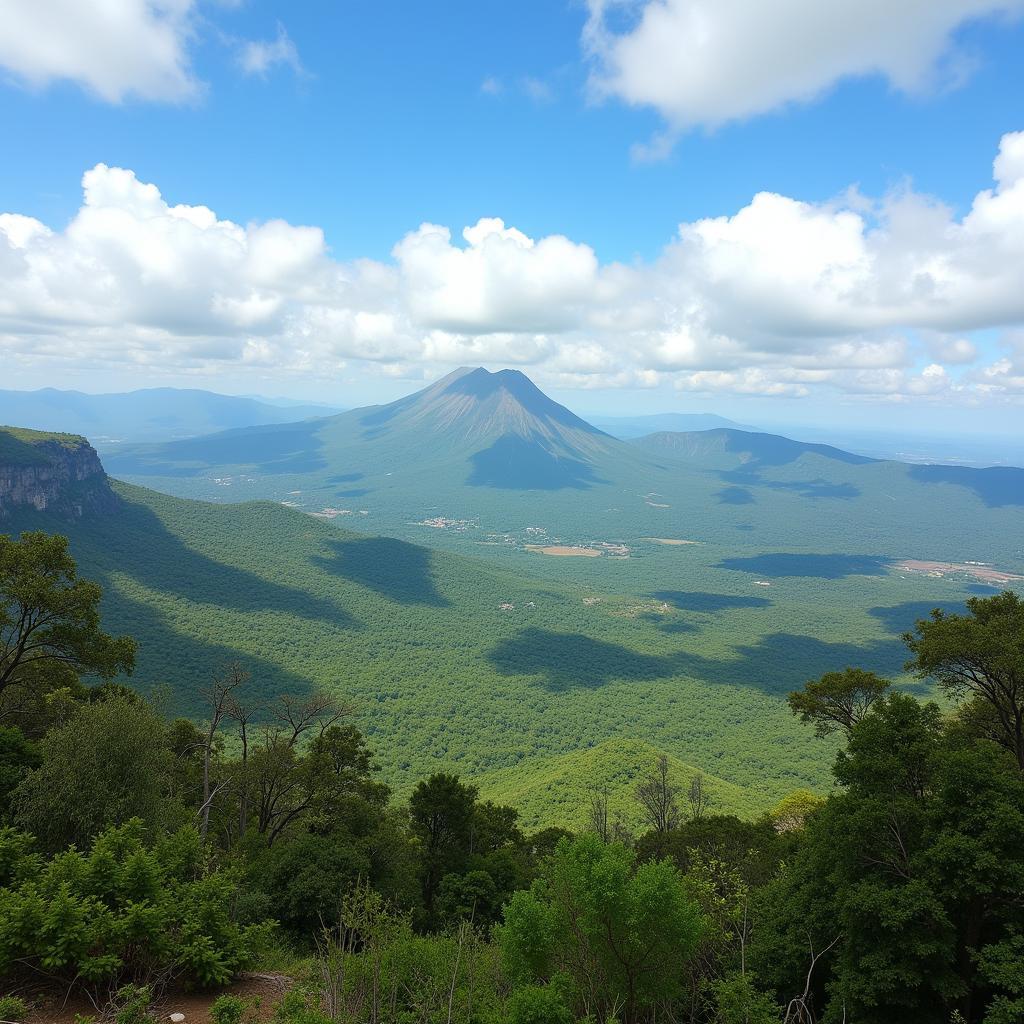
x: 151, y: 414
x: 510, y: 434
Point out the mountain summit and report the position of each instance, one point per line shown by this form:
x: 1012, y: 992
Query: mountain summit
x: 475, y: 403
x: 512, y: 434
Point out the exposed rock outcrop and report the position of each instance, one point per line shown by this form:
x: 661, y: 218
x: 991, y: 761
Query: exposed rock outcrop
x: 56, y: 473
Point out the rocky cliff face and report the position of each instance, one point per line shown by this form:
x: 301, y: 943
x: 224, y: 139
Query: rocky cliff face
x: 58, y: 474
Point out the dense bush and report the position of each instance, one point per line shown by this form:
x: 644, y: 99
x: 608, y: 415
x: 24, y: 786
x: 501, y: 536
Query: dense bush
x: 124, y: 910
x: 618, y: 931
x: 109, y: 763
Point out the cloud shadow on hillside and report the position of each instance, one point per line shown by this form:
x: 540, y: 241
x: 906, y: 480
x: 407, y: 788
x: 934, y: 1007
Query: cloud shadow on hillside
x: 826, y: 567
x: 746, y: 477
x: 133, y: 541
x: 734, y: 496
x: 516, y: 463
x: 997, y: 486
x: 399, y: 571
x: 776, y: 664
x: 567, y: 661
x: 900, y: 618
x: 668, y: 625
x: 815, y: 489
x: 188, y: 662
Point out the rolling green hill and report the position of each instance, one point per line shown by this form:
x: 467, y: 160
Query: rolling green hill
x: 558, y: 789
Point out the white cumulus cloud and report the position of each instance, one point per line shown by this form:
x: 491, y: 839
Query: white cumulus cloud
x: 782, y: 297
x: 707, y: 62
x: 500, y: 281
x: 113, y: 48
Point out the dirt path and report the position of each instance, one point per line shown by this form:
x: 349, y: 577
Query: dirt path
x: 52, y: 1009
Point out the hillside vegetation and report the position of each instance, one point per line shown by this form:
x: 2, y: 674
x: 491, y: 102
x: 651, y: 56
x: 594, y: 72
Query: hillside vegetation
x: 462, y: 665
x: 559, y: 789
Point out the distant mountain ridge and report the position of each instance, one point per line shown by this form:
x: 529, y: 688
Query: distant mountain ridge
x: 629, y: 427
x: 150, y: 414
x: 756, y: 448
x: 473, y: 402
x: 500, y: 425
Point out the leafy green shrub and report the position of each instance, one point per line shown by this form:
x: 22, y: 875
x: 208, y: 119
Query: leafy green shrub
x: 536, y: 1004
x: 229, y: 1009
x: 108, y: 764
x: 597, y: 914
x: 738, y: 1001
x: 12, y: 1008
x: 120, y: 911
x: 298, y: 1007
x: 131, y: 1005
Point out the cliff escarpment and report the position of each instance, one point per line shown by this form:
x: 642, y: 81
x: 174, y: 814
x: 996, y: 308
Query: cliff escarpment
x: 56, y: 473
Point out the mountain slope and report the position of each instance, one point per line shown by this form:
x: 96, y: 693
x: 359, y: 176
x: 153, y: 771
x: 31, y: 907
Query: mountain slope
x: 152, y: 414
x: 499, y: 427
x: 453, y: 663
x: 512, y: 669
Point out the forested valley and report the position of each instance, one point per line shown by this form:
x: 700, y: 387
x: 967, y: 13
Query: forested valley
x: 142, y: 854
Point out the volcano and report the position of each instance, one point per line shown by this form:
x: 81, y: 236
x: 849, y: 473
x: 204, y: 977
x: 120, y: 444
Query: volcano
x: 503, y: 430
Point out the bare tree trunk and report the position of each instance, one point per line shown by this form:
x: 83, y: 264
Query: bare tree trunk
x: 599, y: 814
x: 220, y: 700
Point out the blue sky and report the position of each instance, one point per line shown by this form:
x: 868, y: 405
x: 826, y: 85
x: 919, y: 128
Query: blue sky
x: 364, y: 121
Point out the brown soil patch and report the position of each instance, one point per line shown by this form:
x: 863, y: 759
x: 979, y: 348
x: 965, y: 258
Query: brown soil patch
x: 269, y: 988
x: 978, y: 570
x: 563, y: 550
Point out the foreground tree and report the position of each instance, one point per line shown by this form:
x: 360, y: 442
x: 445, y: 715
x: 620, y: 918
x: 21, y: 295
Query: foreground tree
x: 49, y: 620
x: 442, y: 814
x: 109, y: 763
x: 980, y: 656
x: 18, y: 757
x: 838, y: 700
x: 614, y: 934
x: 904, y: 889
